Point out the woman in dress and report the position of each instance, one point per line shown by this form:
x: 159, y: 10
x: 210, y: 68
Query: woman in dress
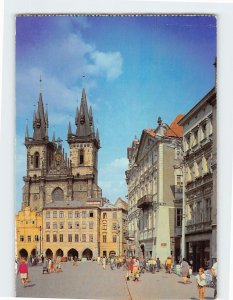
x: 23, y: 271
x: 184, y: 270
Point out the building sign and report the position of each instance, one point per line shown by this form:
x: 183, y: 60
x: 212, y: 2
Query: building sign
x: 163, y: 244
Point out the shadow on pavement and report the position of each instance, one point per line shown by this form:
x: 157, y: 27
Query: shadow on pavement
x: 30, y: 285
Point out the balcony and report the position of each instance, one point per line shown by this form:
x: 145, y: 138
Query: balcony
x: 130, y: 235
x: 178, y: 193
x: 145, y: 201
x: 201, y: 226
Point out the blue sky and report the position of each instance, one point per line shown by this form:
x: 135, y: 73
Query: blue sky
x: 136, y: 69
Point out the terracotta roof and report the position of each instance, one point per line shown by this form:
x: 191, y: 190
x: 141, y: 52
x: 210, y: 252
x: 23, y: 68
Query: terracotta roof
x: 175, y: 129
x: 151, y: 132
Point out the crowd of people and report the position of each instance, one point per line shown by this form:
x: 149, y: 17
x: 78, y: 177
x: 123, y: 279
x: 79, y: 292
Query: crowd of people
x: 134, y: 267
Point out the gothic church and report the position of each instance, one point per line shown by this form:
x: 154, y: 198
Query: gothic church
x: 51, y: 175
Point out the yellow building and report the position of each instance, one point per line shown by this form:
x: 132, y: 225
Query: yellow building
x: 113, y: 228
x: 70, y: 229
x: 28, y: 232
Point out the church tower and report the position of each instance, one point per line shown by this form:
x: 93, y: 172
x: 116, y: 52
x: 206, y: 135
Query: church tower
x: 84, y: 146
x: 39, y: 157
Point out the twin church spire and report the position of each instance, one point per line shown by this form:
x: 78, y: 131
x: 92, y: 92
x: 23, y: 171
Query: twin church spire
x: 84, y: 122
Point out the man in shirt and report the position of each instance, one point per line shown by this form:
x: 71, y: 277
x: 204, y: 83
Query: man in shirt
x: 214, y: 271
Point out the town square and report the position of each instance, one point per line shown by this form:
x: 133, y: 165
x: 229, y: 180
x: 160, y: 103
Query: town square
x: 116, y: 157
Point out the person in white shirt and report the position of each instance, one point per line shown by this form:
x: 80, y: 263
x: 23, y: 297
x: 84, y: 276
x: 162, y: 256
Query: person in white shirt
x: 201, y: 283
x: 214, y: 271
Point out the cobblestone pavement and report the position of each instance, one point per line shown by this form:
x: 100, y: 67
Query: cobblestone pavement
x: 89, y: 281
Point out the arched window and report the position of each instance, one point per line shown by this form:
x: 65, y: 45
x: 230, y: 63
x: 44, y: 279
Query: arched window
x: 36, y: 160
x: 58, y: 195
x: 81, y: 157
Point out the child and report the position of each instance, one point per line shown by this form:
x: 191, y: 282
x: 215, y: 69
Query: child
x: 201, y: 283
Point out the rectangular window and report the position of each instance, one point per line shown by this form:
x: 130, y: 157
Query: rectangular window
x: 83, y: 237
x: 54, y: 214
x: 61, y: 238
x: 61, y: 225
x: 54, y: 238
x: 54, y: 225
x: 179, y: 183
x: 61, y: 214
x: 91, y: 214
x: 76, y: 225
x: 104, y: 238
x: 114, y: 215
x: 47, y: 225
x: 76, y: 238
x: 70, y: 225
x: 36, y: 238
x: 179, y: 217
x: 69, y: 238
x: 91, y: 238
x: 70, y: 214
x: 83, y: 225
x: 105, y: 226
x: 104, y: 215
x: 47, y: 238
x: 91, y: 225
x: 47, y: 214
x: 77, y: 214
x: 29, y: 239
x: 21, y: 238
x: 84, y: 214
x: 114, y: 238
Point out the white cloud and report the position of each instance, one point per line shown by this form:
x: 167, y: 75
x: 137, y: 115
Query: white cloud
x: 109, y: 63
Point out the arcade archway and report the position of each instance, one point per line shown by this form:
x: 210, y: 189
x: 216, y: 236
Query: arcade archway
x: 72, y: 253
x: 49, y: 253
x: 112, y: 253
x: 59, y: 252
x: 23, y: 253
x: 33, y: 253
x: 87, y: 253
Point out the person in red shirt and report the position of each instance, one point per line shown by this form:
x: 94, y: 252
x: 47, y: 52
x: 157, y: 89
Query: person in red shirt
x: 23, y: 271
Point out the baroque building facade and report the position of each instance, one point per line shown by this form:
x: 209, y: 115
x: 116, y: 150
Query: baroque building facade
x: 199, y: 143
x: 64, y: 192
x: 154, y: 192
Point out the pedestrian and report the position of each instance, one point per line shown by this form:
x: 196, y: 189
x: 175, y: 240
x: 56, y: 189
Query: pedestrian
x: 129, y: 268
x: 112, y: 262
x: 23, y: 271
x: 135, y: 269
x: 184, y: 270
x: 98, y: 260
x: 157, y: 264
x: 49, y: 265
x: 214, y: 272
x: 201, y: 283
x: 168, y: 264
x: 42, y: 258
x: 75, y: 261
x: 104, y: 262
x: 153, y: 265
x: 45, y: 266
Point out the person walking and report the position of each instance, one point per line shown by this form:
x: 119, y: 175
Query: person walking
x: 184, y: 270
x: 23, y: 271
x: 135, y: 269
x: 75, y: 261
x: 157, y: 264
x: 112, y: 263
x: 104, y: 262
x: 45, y: 266
x: 201, y: 283
x: 214, y: 272
x: 168, y: 264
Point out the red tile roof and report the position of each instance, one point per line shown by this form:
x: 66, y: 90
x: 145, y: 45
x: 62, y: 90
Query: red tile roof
x: 175, y: 129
